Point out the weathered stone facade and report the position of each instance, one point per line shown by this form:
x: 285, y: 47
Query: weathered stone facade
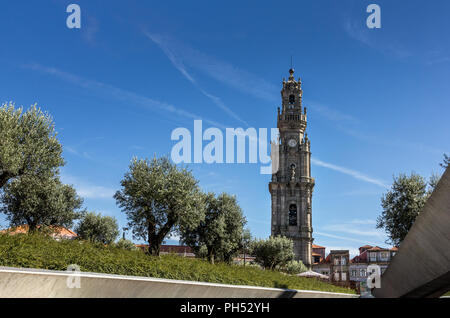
x: 292, y: 186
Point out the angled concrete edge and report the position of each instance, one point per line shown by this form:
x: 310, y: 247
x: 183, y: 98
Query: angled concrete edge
x: 421, y: 267
x: 21, y: 282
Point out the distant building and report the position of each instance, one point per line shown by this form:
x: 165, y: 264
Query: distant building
x: 345, y: 272
x: 57, y: 232
x: 370, y: 255
x: 336, y: 266
x: 318, y: 253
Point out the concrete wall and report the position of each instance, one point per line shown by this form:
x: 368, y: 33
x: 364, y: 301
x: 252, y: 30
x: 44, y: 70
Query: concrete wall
x: 26, y: 283
x: 421, y: 267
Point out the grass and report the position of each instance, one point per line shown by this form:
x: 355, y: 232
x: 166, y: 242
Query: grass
x: 38, y: 251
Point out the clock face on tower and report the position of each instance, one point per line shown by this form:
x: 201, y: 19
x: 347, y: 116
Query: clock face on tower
x: 292, y: 143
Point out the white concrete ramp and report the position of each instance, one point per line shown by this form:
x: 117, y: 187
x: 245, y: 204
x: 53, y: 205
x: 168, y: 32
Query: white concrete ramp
x: 17, y: 282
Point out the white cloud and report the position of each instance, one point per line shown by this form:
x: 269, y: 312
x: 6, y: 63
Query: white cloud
x: 119, y: 94
x: 177, y: 62
x: 345, y: 238
x: 353, y: 173
x: 330, y: 113
x: 356, y: 229
x: 226, y: 73
x: 88, y: 190
x: 364, y: 35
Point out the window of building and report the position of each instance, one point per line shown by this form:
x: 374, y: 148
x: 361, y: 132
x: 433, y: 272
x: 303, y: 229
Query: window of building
x: 343, y: 260
x: 344, y: 276
x: 336, y: 276
x: 291, y: 99
x: 363, y: 272
x: 336, y: 261
x: 384, y: 255
x: 292, y: 215
x: 354, y: 273
x: 373, y: 256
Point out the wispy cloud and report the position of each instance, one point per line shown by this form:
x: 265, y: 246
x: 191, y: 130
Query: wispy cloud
x: 88, y: 190
x: 331, y: 113
x: 119, y: 94
x: 353, y: 173
x: 182, y: 54
x: 361, y: 33
x: 177, y: 62
x: 77, y: 153
x: 356, y: 229
x: 90, y: 29
x: 345, y: 238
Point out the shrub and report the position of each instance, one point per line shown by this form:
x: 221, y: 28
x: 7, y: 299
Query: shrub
x: 293, y: 268
x: 274, y: 252
x: 125, y: 244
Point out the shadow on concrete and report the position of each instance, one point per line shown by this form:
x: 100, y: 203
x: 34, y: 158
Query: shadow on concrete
x: 287, y: 293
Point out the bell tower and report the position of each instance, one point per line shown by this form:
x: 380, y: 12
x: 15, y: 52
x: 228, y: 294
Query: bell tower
x: 292, y: 186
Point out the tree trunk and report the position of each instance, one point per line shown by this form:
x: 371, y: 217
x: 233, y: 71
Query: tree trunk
x: 4, y: 177
x: 211, y: 255
x: 155, y: 239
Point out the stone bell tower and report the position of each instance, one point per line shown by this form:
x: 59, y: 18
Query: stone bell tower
x: 291, y: 186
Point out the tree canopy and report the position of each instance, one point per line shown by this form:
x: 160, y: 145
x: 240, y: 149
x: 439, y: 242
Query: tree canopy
x: 159, y: 199
x: 446, y: 162
x: 97, y: 228
x: 220, y: 234
x: 402, y: 204
x: 276, y: 251
x: 40, y: 201
x: 28, y: 143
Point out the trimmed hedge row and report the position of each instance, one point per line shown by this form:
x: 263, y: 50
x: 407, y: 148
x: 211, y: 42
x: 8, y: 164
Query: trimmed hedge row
x: 39, y: 251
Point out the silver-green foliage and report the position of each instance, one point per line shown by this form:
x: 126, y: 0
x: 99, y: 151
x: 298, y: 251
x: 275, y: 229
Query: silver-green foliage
x: 293, y: 267
x: 28, y: 143
x: 159, y: 198
x: 125, y: 245
x: 97, y: 228
x: 402, y: 204
x: 220, y: 233
x: 40, y: 201
x: 276, y: 251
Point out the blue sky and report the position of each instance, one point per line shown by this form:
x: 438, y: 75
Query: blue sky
x: 377, y: 99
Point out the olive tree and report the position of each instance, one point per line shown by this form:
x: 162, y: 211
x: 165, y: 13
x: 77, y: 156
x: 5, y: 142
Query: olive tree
x: 220, y: 233
x: 159, y: 199
x: 40, y: 201
x: 28, y: 143
x: 402, y: 204
x: 276, y: 251
x: 97, y: 228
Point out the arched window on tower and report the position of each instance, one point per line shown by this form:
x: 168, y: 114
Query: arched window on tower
x: 291, y: 99
x: 293, y: 215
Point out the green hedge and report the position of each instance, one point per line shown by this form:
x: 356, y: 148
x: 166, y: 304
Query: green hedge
x: 38, y: 251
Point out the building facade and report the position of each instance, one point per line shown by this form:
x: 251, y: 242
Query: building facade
x: 292, y: 186
x: 353, y: 272
x: 369, y: 255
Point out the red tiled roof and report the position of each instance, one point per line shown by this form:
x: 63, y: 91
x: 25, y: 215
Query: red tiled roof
x: 58, y: 231
x: 326, y: 260
x: 317, y: 246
